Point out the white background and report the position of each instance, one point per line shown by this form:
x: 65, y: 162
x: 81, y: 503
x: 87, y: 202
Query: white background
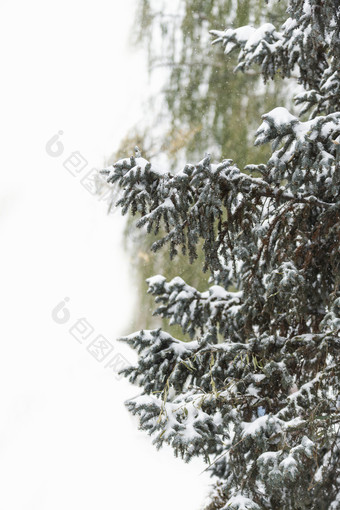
x: 66, y: 440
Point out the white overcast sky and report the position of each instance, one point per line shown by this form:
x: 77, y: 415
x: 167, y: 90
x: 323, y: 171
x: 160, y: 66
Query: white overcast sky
x: 66, y: 440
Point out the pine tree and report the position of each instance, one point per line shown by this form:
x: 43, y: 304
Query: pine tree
x: 255, y: 391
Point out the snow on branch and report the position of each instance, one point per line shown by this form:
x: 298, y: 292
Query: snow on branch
x: 308, y: 42
x: 194, y: 310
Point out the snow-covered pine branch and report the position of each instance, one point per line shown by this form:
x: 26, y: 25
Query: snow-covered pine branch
x: 307, y: 43
x: 194, y: 310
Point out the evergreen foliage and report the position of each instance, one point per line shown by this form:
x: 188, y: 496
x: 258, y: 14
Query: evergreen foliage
x: 256, y: 390
x: 201, y: 103
x: 202, y: 97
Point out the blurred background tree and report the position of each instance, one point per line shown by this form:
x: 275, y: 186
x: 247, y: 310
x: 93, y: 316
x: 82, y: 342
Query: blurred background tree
x: 196, y: 104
